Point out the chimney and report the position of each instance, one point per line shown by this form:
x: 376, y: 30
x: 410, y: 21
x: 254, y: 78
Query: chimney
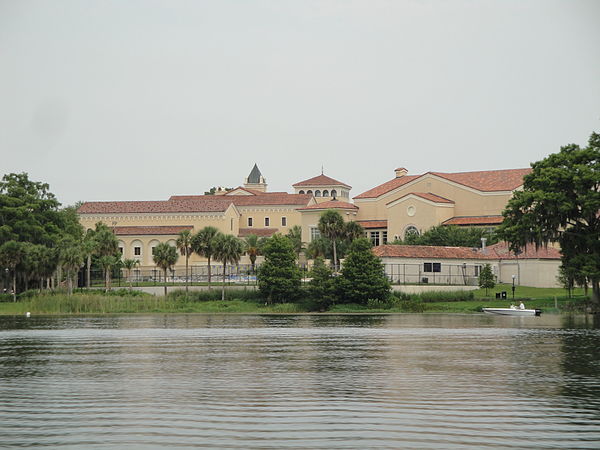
x: 483, y: 249
x: 400, y: 172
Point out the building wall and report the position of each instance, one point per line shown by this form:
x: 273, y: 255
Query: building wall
x: 274, y: 213
x: 310, y: 219
x: 530, y: 272
x: 425, y: 214
x: 452, y: 271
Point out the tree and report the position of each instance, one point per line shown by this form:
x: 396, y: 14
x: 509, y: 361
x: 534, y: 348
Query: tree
x: 294, y: 234
x: 228, y: 249
x: 71, y: 260
x: 203, y: 244
x: 451, y: 236
x: 319, y: 247
x: 322, y: 288
x: 107, y: 248
x: 88, y: 248
x: 353, y: 230
x: 331, y: 225
x: 184, y: 245
x: 252, y: 247
x: 363, y: 277
x: 165, y: 258
x: 486, y: 278
x: 559, y: 203
x: 11, y: 254
x: 279, y: 276
x: 129, y: 265
x: 213, y: 190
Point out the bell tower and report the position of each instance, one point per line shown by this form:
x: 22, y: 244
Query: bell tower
x: 255, y: 180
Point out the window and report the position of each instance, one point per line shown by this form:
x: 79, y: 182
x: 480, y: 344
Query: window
x: 153, y: 251
x: 309, y: 192
x: 432, y: 267
x: 325, y: 193
x: 267, y: 221
x: 249, y: 221
x: 137, y: 251
x: 300, y: 191
x: 314, y: 233
x: 384, y: 237
x: 374, y: 235
x: 121, y: 250
x: 411, y: 230
x: 333, y: 193
x: 477, y: 270
x: 284, y: 221
x: 317, y: 193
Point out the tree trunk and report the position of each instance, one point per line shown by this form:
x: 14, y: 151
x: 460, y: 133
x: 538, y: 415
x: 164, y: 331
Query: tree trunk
x: 596, y: 294
x: 129, y: 276
x: 334, y: 257
x: 223, y: 289
x: 209, y: 273
x: 69, y: 283
x: 14, y: 285
x: 88, y: 271
x: 187, y: 257
x: 165, y: 282
x: 107, y: 279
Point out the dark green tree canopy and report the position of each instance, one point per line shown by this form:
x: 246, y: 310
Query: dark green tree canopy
x: 451, y: 236
x: 278, y: 276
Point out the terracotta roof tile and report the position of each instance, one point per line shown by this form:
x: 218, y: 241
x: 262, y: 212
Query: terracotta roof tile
x: 320, y: 180
x: 427, y: 196
x: 331, y: 204
x: 160, y: 230
x: 367, y: 224
x: 485, y: 181
x: 501, y: 250
x: 260, y: 232
x: 474, y: 220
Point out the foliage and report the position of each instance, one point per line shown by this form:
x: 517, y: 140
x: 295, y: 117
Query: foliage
x: 559, y: 203
x: 184, y: 245
x: 363, y: 276
x: 71, y: 260
x: 203, y: 244
x: 331, y: 226
x: 451, y: 236
x: 129, y: 265
x: 253, y: 248
x: 228, y: 249
x: 213, y: 190
x: 486, y: 278
x: 322, y: 288
x: 278, y: 276
x: 294, y: 234
x: 165, y: 258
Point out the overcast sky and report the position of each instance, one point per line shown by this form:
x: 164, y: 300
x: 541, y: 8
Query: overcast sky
x: 139, y: 100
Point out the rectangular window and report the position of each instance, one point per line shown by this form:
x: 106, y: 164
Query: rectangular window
x: 374, y: 237
x: 477, y: 270
x: 137, y: 251
x: 432, y: 267
x: 249, y: 221
x: 284, y: 221
x: 266, y: 221
x: 384, y: 237
x: 314, y: 233
x: 437, y: 267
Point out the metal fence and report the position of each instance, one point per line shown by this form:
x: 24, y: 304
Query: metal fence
x: 429, y: 273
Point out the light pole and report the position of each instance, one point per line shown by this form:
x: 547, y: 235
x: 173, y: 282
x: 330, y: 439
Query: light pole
x: 513, y: 286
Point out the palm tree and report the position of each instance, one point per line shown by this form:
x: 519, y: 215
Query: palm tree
x: 228, y: 249
x: 203, y: 244
x: 11, y: 254
x: 107, y: 262
x: 106, y: 246
x: 165, y: 257
x: 252, y: 248
x: 353, y: 230
x: 129, y: 265
x: 71, y: 260
x: 89, y: 248
x: 184, y: 245
x: 331, y: 225
x: 295, y: 236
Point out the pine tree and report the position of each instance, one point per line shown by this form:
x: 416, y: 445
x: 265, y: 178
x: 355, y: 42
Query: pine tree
x: 279, y: 276
x: 322, y: 287
x: 486, y: 278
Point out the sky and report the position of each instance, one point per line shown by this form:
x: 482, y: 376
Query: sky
x: 141, y: 100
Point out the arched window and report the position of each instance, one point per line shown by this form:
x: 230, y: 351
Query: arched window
x: 325, y: 193
x: 333, y: 193
x: 317, y: 193
x: 411, y: 229
x: 309, y: 192
x: 300, y: 191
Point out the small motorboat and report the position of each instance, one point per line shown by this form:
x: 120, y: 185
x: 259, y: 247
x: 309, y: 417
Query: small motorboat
x: 512, y: 311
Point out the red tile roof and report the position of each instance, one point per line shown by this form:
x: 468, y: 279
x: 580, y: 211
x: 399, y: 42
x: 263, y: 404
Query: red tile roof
x: 367, y: 224
x: 194, y: 203
x: 331, y: 204
x: 152, y: 230
x: 321, y: 180
x: 485, y: 181
x: 260, y: 232
x: 427, y: 196
x: 474, y: 220
x: 493, y: 252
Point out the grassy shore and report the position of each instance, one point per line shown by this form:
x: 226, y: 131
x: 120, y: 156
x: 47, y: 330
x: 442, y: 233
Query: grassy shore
x: 250, y: 302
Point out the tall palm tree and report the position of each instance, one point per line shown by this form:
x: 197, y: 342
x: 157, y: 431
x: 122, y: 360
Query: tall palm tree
x: 107, y: 262
x: 11, y: 254
x: 331, y: 225
x: 71, y: 260
x: 203, y: 244
x: 106, y: 246
x: 252, y: 246
x: 165, y: 257
x: 129, y: 265
x: 89, y: 248
x: 228, y: 249
x: 184, y: 245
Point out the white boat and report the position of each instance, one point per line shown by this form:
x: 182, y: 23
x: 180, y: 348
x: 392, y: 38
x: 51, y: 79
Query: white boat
x: 512, y: 311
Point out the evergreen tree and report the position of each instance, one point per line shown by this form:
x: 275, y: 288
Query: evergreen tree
x: 486, y: 278
x: 279, y: 276
x: 363, y: 277
x: 322, y: 287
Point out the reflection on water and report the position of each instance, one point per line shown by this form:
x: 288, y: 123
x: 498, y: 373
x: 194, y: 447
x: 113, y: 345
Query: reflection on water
x: 300, y: 381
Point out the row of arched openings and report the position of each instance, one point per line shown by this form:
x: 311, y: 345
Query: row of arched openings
x: 318, y: 193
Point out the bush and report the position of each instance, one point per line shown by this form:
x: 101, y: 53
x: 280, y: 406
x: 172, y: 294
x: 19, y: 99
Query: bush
x: 249, y: 295
x: 437, y: 296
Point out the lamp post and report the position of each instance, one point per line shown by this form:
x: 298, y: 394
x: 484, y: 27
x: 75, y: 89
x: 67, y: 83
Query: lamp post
x: 513, y: 286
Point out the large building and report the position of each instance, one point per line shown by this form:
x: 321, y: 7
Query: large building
x: 405, y: 204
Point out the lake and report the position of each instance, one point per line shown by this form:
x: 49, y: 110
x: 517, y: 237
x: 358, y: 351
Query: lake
x: 300, y: 381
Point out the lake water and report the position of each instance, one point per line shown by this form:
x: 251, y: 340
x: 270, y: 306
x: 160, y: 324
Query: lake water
x: 305, y: 381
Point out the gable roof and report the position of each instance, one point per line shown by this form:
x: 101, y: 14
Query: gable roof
x: 502, y: 251
x: 255, y: 175
x: 474, y: 220
x: 321, y: 180
x: 485, y: 181
x: 331, y: 204
x: 426, y: 196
